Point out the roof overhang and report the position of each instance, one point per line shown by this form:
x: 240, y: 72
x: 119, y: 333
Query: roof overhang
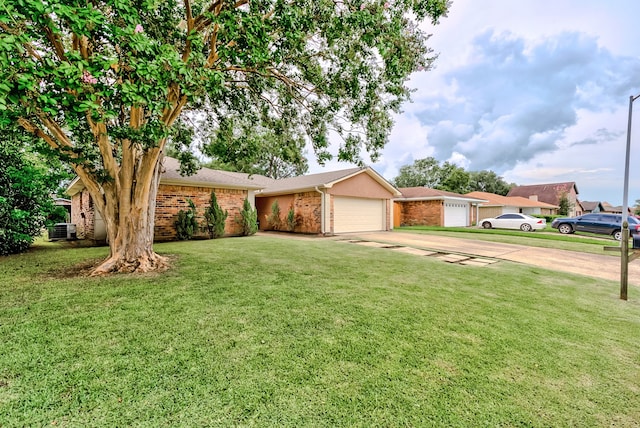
x: 324, y: 186
x: 76, y: 185
x: 440, y: 198
x: 209, y: 185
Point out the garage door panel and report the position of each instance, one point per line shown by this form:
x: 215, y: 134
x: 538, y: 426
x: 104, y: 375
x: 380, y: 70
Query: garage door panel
x: 358, y: 214
x: 456, y: 214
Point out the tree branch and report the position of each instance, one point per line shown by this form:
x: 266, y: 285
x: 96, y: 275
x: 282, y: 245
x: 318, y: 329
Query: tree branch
x: 27, y: 46
x: 213, y: 50
x: 187, y: 47
x: 55, y: 40
x: 215, y: 7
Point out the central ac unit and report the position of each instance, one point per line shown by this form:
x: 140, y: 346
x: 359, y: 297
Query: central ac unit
x: 62, y: 231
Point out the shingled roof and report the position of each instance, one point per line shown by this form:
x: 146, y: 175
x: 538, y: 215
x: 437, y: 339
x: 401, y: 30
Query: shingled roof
x: 425, y: 193
x: 590, y: 206
x: 309, y: 182
x: 549, y: 193
x: 210, y: 177
x: 204, y: 177
x: 509, y: 201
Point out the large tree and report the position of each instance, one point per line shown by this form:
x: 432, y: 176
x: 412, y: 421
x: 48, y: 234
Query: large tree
x: 104, y: 81
x: 488, y: 181
x: 267, y: 149
x: 428, y: 172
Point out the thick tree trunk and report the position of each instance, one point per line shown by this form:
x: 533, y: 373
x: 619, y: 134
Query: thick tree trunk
x: 130, y: 217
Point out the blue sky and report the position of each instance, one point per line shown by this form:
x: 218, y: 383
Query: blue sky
x: 535, y: 90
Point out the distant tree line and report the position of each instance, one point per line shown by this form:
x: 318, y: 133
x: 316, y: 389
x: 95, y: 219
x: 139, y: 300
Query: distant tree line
x: 428, y: 172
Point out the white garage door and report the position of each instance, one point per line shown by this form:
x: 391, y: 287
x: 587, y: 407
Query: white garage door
x: 456, y: 214
x: 358, y: 214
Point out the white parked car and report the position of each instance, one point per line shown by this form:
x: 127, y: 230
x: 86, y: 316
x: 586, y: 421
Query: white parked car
x: 524, y: 222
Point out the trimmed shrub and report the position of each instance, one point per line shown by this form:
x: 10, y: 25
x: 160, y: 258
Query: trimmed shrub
x: 291, y: 219
x: 274, y: 220
x: 215, y: 218
x: 186, y: 222
x: 248, y: 219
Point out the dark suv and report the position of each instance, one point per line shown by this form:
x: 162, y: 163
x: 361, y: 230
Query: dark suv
x: 606, y: 224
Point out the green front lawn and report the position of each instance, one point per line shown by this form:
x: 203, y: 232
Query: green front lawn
x: 546, y: 238
x: 265, y: 331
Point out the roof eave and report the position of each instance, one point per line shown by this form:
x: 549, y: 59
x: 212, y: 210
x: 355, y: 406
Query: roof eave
x: 209, y: 185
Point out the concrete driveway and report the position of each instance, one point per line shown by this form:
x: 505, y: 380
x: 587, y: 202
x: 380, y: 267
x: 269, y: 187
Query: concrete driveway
x: 594, y: 265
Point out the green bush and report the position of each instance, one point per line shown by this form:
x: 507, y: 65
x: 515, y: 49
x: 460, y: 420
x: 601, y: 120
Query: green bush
x: 274, y: 220
x: 215, y: 218
x: 24, y: 199
x: 291, y: 219
x: 58, y: 214
x: 248, y: 219
x: 187, y: 222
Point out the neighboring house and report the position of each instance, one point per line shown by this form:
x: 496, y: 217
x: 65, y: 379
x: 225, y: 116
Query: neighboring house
x: 496, y: 205
x: 591, y: 207
x: 616, y: 210
x: 430, y: 207
x: 350, y: 200
x: 551, y: 194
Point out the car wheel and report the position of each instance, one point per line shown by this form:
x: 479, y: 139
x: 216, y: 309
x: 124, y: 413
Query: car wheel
x: 486, y: 225
x: 565, y: 228
x: 617, y: 235
x: 525, y: 227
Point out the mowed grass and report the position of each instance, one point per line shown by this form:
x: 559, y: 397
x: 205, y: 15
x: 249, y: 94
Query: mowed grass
x: 546, y: 238
x: 266, y: 331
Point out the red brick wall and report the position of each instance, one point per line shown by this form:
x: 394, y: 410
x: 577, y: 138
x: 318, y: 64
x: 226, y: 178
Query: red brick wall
x: 171, y: 199
x: 306, y: 206
x: 423, y: 213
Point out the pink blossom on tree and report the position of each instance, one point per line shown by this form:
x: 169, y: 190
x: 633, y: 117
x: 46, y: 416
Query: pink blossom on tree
x: 88, y: 78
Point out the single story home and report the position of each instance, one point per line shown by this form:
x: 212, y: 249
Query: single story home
x: 351, y: 200
x: 173, y: 192
x: 430, y: 207
x: 551, y: 193
x: 591, y: 207
x: 496, y: 205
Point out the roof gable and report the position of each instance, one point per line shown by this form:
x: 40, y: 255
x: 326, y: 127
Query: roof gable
x: 592, y: 206
x: 510, y: 201
x: 324, y: 180
x: 550, y: 193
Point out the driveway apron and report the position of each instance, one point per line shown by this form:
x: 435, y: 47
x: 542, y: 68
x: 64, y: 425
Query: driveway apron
x: 593, y: 265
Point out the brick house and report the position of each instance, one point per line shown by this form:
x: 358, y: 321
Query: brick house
x: 174, y: 190
x: 496, y: 205
x: 430, y: 207
x: 351, y: 200
x: 551, y: 194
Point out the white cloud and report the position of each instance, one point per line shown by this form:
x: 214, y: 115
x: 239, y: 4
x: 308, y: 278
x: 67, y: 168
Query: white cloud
x: 535, y: 90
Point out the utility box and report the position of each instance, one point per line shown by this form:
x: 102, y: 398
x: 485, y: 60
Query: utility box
x: 61, y: 231
x: 636, y: 241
